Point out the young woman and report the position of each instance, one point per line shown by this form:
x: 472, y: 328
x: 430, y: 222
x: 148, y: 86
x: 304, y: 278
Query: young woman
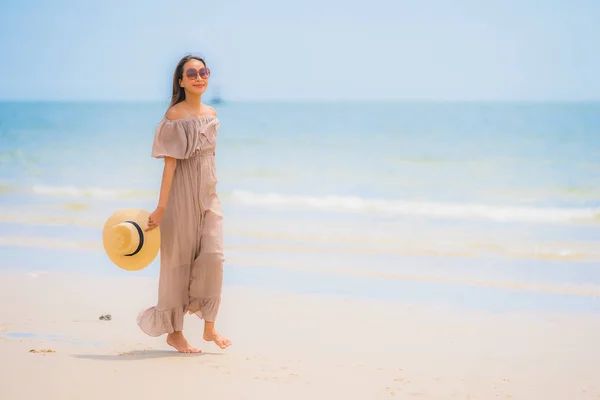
x: 189, y: 213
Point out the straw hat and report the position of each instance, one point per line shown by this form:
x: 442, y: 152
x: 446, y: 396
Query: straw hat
x: 125, y: 241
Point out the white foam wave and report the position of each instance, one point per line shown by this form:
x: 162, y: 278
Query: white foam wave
x: 359, y: 205
x: 83, y: 192
x: 422, y: 209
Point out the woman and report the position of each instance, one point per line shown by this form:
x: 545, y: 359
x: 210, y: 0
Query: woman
x: 189, y: 213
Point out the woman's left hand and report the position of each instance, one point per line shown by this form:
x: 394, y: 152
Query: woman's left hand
x: 155, y: 218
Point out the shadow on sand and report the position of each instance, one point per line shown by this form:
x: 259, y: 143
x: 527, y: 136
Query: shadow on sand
x: 142, y: 355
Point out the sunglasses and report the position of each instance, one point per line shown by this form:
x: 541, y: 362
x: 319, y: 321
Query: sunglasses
x: 193, y: 73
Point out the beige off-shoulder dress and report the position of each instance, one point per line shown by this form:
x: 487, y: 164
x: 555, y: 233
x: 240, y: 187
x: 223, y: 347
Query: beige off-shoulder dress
x: 191, y: 249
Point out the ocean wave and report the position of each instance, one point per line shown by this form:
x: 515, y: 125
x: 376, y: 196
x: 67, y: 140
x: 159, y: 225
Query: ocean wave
x: 421, y: 208
x: 48, y: 243
x: 7, y: 188
x: 591, y: 290
x: 256, y: 234
x: 352, y: 204
x: 88, y: 192
x: 246, y: 260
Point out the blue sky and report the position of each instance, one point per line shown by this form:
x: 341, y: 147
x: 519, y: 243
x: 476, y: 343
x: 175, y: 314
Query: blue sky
x: 313, y: 49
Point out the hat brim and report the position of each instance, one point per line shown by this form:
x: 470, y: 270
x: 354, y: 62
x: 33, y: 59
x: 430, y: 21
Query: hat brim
x: 149, y: 250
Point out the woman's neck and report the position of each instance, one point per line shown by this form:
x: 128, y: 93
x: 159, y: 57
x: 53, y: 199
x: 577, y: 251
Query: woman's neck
x: 194, y: 102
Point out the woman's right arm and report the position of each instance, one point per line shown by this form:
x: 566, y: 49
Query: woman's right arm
x: 165, y: 189
x: 167, y: 179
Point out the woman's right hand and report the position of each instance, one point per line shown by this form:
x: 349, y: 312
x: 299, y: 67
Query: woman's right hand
x: 155, y: 218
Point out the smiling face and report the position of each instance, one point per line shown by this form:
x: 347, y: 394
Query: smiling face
x: 189, y: 78
x: 194, y: 78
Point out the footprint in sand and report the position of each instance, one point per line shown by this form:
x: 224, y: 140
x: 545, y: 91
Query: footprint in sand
x: 281, y: 374
x: 43, y: 351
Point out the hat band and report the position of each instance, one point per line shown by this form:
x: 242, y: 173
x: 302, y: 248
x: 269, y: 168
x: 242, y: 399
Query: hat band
x: 141, y: 244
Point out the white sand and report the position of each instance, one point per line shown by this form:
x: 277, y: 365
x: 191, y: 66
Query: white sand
x: 284, y: 347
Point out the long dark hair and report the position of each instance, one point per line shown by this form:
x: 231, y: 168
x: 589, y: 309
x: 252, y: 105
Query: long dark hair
x: 178, y: 92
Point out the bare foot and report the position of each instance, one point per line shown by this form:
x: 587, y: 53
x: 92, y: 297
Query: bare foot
x: 218, y: 339
x: 179, y: 342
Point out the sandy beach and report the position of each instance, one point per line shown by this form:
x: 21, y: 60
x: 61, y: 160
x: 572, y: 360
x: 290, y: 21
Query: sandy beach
x: 285, y: 346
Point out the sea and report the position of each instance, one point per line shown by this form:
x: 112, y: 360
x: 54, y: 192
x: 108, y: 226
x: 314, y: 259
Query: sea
x: 452, y: 203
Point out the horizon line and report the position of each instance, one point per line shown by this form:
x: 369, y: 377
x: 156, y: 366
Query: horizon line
x: 238, y: 101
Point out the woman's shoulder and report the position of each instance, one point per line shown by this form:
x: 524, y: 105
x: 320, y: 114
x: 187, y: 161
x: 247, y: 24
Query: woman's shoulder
x: 179, y: 132
x: 178, y: 113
